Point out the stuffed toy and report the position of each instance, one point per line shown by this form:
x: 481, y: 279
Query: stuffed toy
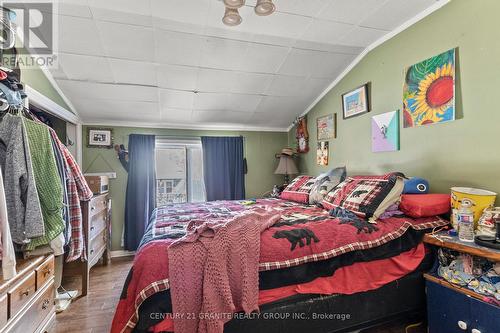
x: 416, y: 185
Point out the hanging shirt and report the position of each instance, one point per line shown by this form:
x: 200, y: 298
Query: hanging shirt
x: 8, y: 255
x: 63, y: 176
x: 23, y: 205
x: 78, y: 190
x: 48, y: 184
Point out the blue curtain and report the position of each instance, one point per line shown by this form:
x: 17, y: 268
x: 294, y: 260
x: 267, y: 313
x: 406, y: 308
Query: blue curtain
x: 141, y: 188
x: 224, y: 168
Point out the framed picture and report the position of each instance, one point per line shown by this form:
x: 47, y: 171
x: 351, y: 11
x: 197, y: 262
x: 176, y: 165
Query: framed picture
x: 322, y: 153
x: 385, y: 132
x: 99, y: 138
x: 327, y: 127
x: 356, y: 102
x: 429, y: 91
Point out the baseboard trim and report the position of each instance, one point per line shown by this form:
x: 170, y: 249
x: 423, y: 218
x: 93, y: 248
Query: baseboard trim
x: 121, y: 253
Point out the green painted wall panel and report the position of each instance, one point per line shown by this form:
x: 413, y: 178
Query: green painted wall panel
x: 463, y: 152
x: 260, y: 148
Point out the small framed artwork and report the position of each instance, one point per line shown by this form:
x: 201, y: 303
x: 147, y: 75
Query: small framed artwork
x: 327, y: 127
x: 322, y: 153
x: 99, y: 138
x: 385, y: 132
x: 356, y: 102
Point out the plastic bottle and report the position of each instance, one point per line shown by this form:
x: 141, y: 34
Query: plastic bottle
x: 465, y: 217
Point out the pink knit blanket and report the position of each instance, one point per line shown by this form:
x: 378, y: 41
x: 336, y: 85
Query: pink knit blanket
x: 214, y: 271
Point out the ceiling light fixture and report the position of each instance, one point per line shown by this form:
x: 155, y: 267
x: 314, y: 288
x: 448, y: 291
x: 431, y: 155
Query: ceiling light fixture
x: 264, y: 7
x: 231, y: 17
x: 234, y: 4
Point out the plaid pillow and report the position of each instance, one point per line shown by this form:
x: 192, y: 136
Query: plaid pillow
x: 364, y: 195
x: 298, y: 190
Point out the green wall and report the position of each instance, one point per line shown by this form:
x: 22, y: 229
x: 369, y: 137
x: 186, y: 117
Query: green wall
x: 260, y: 148
x: 464, y: 152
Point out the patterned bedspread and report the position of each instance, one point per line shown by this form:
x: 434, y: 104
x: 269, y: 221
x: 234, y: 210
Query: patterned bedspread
x: 304, y: 244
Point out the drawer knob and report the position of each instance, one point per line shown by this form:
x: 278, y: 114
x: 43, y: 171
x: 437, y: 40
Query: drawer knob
x: 92, y: 208
x: 25, y: 293
x: 92, y: 251
x: 462, y: 325
x: 45, y: 304
x: 92, y: 228
x: 46, y: 272
x: 475, y: 330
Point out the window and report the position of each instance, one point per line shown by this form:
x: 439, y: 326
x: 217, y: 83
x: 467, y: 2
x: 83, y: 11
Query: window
x: 179, y: 171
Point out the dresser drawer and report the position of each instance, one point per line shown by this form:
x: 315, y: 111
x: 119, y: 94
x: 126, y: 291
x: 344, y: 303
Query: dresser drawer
x: 21, y: 293
x: 38, y: 311
x: 97, y: 246
x: 3, y: 311
x: 98, y: 204
x: 97, y: 224
x: 44, y: 272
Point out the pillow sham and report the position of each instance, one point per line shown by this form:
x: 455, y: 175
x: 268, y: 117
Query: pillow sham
x: 425, y: 205
x: 324, y: 183
x: 298, y: 190
x: 366, y: 196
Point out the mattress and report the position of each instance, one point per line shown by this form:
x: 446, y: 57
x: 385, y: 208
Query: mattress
x: 283, y: 261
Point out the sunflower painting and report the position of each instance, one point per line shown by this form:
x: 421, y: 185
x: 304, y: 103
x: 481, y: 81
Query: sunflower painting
x: 429, y: 91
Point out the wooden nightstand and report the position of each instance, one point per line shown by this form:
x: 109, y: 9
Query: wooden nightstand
x: 452, y: 308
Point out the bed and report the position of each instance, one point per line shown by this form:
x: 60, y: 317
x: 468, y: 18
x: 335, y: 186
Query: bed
x: 299, y: 276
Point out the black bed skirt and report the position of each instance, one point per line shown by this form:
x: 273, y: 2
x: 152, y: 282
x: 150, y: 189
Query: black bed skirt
x: 310, y: 313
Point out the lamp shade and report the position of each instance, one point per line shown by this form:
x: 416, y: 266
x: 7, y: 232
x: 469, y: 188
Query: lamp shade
x: 231, y: 17
x: 264, y: 7
x: 234, y: 3
x: 286, y: 166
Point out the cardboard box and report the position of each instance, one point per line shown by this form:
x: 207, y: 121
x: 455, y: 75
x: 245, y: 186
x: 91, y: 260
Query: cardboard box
x: 98, y: 184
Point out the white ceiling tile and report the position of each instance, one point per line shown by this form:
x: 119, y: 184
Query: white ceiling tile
x: 272, y: 104
x: 221, y: 117
x: 187, y: 12
x: 335, y: 48
x: 212, y: 80
x: 92, y: 91
x: 223, y: 53
x: 127, y: 41
x: 361, y: 36
x: 177, y: 77
x: 103, y: 14
x: 263, y: 58
x: 178, y: 48
x: 85, y: 68
x: 117, y: 110
x: 395, y: 12
x: 326, y: 31
x: 176, y: 99
x: 134, y: 72
x: 86, y: 43
x: 349, y: 11
x: 315, y: 63
x: 301, y: 7
x: 73, y: 8
x: 140, y: 8
x: 176, y: 115
x: 283, y: 85
x: 275, y: 119
x: 227, y: 102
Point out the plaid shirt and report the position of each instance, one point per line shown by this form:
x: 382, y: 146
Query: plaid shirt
x: 78, y: 190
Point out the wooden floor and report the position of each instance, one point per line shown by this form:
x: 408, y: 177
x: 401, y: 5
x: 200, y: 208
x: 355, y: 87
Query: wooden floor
x: 93, y: 314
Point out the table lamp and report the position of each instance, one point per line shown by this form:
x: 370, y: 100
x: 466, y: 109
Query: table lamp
x: 286, y: 165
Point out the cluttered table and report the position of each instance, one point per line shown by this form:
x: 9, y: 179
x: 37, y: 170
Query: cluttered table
x: 443, y: 239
